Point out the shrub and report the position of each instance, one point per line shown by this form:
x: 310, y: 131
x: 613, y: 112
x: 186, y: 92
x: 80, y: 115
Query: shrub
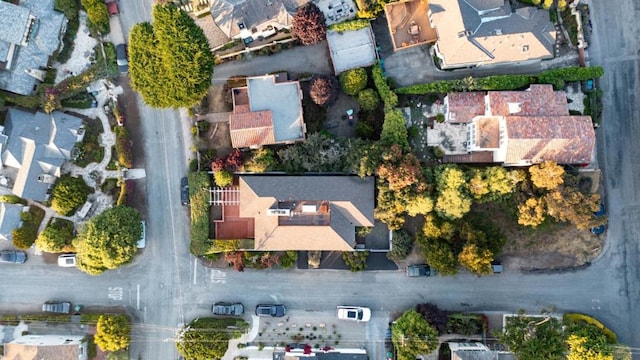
x: 353, y: 81
x: 558, y: 77
x: 56, y: 237
x: 309, y: 24
x: 97, y: 14
x: 199, y: 200
x: 323, y: 90
x: 112, y: 332
x: 261, y: 160
x: 368, y: 100
x: 223, y: 178
x: 123, y: 147
x: 356, y: 260
x: 350, y: 25
x: 578, y: 318
x: 288, y: 260
x: 387, y: 95
x: 401, y: 245
x: 69, y: 194
x: 24, y: 236
x: 12, y: 199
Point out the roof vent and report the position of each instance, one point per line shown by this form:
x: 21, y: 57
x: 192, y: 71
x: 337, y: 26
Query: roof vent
x: 241, y: 25
x: 46, y: 178
x: 309, y: 208
x: 514, y: 107
x: 525, y: 48
x: 278, y: 212
x: 498, y: 31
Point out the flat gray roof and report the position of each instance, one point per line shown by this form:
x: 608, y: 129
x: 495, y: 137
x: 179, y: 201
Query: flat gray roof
x: 285, y: 102
x: 352, y: 49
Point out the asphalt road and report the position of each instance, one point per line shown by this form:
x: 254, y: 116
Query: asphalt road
x: 166, y: 287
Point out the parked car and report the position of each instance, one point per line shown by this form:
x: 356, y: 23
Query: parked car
x: 184, y: 191
x: 12, y: 257
x: 121, y: 58
x: 67, y: 260
x: 601, y: 210
x: 227, y: 308
x: 60, y: 307
x: 273, y: 310
x: 143, y: 238
x: 354, y: 313
x: 421, y: 270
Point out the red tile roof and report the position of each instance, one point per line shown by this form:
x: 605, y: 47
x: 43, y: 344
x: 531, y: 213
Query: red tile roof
x: 563, y: 139
x: 464, y: 106
x: 538, y: 100
x: 251, y: 129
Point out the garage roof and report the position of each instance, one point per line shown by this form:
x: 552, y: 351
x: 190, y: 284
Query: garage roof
x: 352, y: 49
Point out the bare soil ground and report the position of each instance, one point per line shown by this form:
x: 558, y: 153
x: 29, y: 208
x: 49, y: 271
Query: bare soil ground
x: 218, y: 136
x: 553, y: 247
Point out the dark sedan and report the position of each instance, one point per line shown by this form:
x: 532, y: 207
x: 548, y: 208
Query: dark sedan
x: 277, y: 310
x: 228, y: 309
x: 13, y: 257
x: 184, y: 191
x: 121, y: 58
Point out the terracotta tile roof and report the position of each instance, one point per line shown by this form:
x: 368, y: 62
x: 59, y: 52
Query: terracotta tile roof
x: 344, y: 202
x: 251, y: 129
x: 13, y: 351
x: 538, y: 100
x: 462, y: 107
x: 563, y: 139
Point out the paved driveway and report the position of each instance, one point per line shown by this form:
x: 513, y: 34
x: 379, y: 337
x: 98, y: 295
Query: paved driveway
x: 301, y: 59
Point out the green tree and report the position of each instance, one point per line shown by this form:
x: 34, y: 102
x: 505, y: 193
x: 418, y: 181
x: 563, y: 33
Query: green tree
x: 170, y: 62
x: 97, y: 14
x: 56, y: 237
x: 412, y: 335
x: 476, y: 259
x: 421, y: 204
x: 353, y: 81
x: 401, y: 245
x: 368, y: 100
x: 261, y: 160
x: 533, y: 338
x: 568, y: 204
x: 394, y: 131
x: 547, y: 175
x: 112, y: 332
x: 531, y: 212
x: 587, y: 342
x: 69, y: 193
x: 108, y: 240
x: 452, y: 201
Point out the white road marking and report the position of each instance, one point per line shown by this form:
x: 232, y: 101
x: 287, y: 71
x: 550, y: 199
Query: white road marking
x: 195, y: 270
x: 138, y: 299
x: 115, y: 293
x: 218, y: 277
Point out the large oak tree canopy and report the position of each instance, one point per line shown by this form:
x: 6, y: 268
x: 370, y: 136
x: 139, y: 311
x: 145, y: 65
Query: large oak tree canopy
x: 170, y: 61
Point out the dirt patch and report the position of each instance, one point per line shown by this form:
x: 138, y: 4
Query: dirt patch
x: 550, y: 246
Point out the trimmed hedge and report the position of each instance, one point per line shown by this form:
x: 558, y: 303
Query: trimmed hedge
x: 24, y: 236
x: 578, y: 318
x: 387, y: 95
x: 12, y: 199
x: 350, y: 25
x: 556, y: 77
x: 123, y: 147
x: 199, y: 185
x: 353, y: 81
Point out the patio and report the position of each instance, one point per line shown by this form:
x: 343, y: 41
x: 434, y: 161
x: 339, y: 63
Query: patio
x: 409, y: 24
x: 336, y: 11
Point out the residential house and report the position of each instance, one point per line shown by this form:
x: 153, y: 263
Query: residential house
x: 50, y: 347
x: 476, y: 351
x: 515, y: 128
x: 352, y: 49
x: 31, y: 32
x: 251, y: 20
x: 36, y: 145
x: 489, y: 32
x: 335, y: 354
x: 9, y: 219
x: 296, y: 212
x: 408, y: 23
x: 267, y: 111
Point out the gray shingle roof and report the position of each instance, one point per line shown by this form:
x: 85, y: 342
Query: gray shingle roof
x: 13, y: 22
x: 44, y: 40
x: 9, y: 219
x: 38, y: 144
x: 227, y: 14
x: 482, y: 5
